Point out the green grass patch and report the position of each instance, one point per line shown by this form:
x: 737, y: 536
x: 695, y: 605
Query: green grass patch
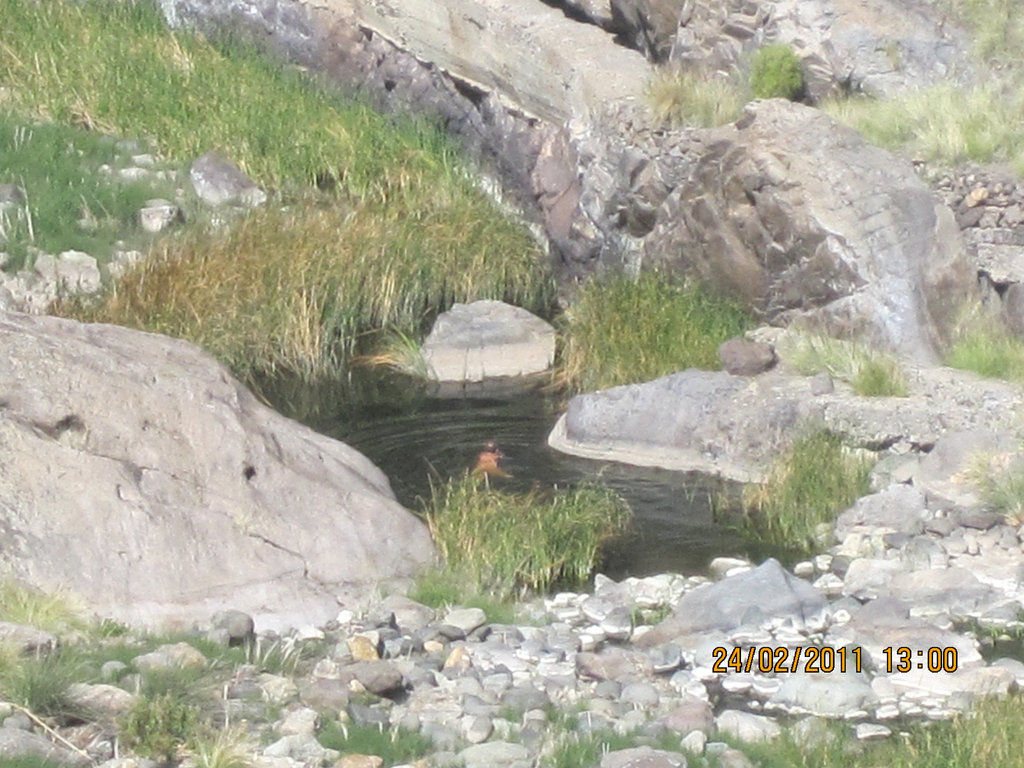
x: 40, y: 683
x: 775, y: 73
x: 501, y: 543
x: 157, y: 726
x: 68, y: 203
x: 990, y: 736
x: 50, y: 611
x: 402, y: 233
x: 988, y: 349
x: 624, y: 330
x: 117, y: 68
x: 445, y: 587
x: 395, y: 746
x: 686, y: 98
x: 943, y: 124
x: 806, y: 488
x: 871, y: 372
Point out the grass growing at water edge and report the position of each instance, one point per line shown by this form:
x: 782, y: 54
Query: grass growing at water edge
x: 502, y: 543
x: 817, y: 478
x: 872, y: 373
x: 298, y: 291
x: 624, y: 330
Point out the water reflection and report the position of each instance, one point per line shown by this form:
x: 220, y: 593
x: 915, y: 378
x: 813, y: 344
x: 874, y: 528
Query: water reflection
x: 413, y: 436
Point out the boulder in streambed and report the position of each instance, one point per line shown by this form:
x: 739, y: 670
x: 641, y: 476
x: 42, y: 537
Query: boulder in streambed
x: 488, y: 339
x: 139, y: 476
x: 749, y: 599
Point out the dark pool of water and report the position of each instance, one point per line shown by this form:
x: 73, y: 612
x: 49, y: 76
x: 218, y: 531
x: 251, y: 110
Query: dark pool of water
x: 414, y: 435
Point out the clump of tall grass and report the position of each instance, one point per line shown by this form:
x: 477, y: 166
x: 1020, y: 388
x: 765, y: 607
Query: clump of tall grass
x: 227, y: 748
x: 688, y: 98
x: 776, y: 73
x: 985, y: 346
x: 502, y: 543
x: 871, y: 372
x: 942, y: 124
x: 50, y: 611
x: 624, y: 330
x: 999, y: 479
x: 394, y: 745
x: 40, y: 683
x: 808, y: 485
x: 158, y: 726
x: 296, y: 291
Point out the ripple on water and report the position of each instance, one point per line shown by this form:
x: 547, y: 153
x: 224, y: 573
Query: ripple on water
x: 414, y: 438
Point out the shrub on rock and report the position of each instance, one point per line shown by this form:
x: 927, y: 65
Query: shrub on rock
x: 775, y: 73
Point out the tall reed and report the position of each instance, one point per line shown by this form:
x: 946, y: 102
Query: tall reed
x: 502, y: 542
x: 624, y: 330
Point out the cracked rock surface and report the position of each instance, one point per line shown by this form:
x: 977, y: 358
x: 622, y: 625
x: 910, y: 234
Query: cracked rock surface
x: 139, y: 475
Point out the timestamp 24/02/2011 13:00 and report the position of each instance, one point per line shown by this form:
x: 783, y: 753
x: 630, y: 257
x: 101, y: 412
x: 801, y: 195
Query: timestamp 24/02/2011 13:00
x: 825, y: 659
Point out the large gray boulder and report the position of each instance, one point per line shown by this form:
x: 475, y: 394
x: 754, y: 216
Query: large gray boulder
x: 798, y: 215
x: 486, y: 339
x: 750, y: 599
x: 143, y: 479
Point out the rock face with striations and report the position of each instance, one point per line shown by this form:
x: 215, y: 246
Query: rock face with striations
x: 553, y: 109
x: 139, y: 475
x: 798, y: 214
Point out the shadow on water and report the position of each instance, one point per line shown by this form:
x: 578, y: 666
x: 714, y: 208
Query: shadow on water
x: 413, y: 435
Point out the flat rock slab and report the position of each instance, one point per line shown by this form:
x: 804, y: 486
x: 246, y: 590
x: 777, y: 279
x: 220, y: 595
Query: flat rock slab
x: 487, y: 339
x: 734, y: 426
x: 145, y: 480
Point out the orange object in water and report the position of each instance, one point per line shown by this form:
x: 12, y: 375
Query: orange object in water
x: 488, y: 461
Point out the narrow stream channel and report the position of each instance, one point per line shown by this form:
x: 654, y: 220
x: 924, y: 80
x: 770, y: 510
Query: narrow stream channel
x: 414, y: 436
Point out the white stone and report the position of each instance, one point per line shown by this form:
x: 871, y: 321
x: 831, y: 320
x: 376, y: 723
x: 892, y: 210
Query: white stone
x: 694, y: 742
x: 872, y: 732
x: 747, y: 727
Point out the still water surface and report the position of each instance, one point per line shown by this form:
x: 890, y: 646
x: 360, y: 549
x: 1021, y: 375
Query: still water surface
x: 414, y: 435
